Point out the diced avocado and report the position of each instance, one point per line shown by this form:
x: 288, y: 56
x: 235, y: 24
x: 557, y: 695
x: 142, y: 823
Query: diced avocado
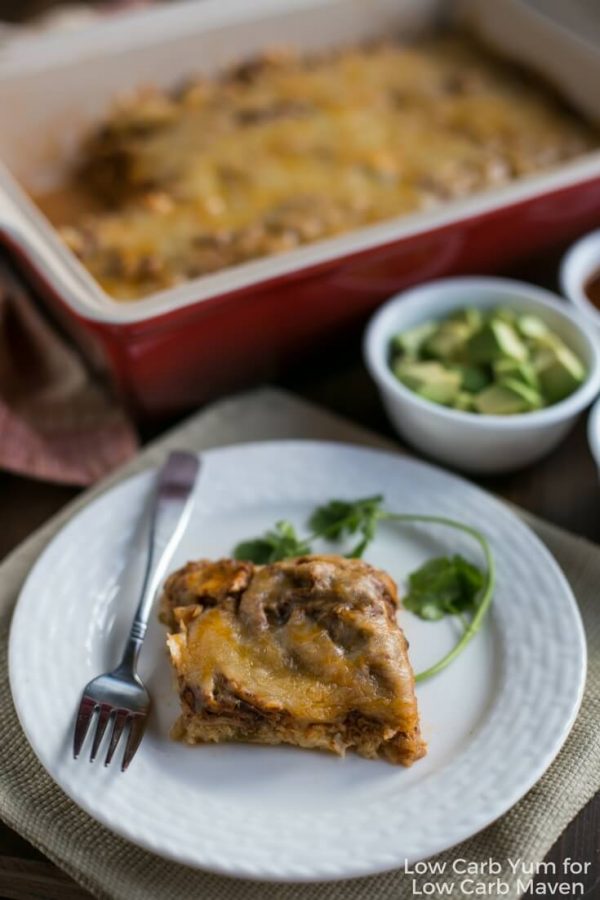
x: 430, y: 380
x: 559, y: 372
x: 474, y: 378
x: 548, y: 341
x: 469, y: 315
x: 495, y: 340
x: 448, y: 341
x: 507, y: 398
x: 464, y: 401
x: 542, y: 358
x: 532, y: 327
x: 410, y: 342
x: 530, y: 395
x: 497, y: 361
x: 412, y: 372
x: 439, y: 392
x: 504, y: 314
x: 521, y: 371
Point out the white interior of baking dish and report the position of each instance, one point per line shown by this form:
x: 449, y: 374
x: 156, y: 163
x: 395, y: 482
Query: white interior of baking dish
x: 53, y: 88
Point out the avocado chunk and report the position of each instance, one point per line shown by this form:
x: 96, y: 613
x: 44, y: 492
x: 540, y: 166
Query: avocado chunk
x: 465, y: 402
x: 505, y: 314
x: 521, y: 371
x: 507, y: 398
x: 559, y: 372
x: 448, y: 341
x: 548, y: 341
x: 430, y: 380
x: 474, y: 378
x: 469, y: 315
x: 411, y: 341
x: 497, y: 339
x: 532, y: 327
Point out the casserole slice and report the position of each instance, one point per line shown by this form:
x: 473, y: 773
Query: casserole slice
x: 305, y: 651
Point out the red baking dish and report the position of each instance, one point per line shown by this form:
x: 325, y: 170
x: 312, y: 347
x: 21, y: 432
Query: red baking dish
x: 179, y: 347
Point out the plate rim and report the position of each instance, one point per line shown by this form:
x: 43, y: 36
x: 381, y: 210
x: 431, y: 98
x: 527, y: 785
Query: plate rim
x: 544, y: 760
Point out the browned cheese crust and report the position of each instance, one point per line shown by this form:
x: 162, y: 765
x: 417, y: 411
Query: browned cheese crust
x: 289, y: 149
x: 305, y: 651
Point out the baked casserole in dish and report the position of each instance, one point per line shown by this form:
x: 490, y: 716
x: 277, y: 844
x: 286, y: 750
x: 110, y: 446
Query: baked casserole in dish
x: 280, y: 279
x: 289, y: 148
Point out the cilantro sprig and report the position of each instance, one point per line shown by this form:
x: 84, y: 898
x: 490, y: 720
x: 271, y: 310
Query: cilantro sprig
x: 443, y: 586
x: 281, y: 542
x: 479, y: 602
x: 341, y: 518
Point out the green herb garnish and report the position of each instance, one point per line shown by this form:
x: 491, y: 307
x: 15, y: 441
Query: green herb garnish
x: 445, y: 586
x: 441, y: 587
x: 340, y: 518
x: 281, y: 542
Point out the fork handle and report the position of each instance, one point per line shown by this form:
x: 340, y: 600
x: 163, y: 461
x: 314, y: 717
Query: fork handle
x: 169, y: 514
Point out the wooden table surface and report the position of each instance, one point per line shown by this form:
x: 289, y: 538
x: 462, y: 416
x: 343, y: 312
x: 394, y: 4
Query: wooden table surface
x: 563, y: 488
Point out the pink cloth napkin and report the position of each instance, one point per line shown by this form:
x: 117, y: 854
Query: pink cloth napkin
x: 58, y: 422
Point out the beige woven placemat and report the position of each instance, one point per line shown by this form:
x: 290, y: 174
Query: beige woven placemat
x: 110, y: 867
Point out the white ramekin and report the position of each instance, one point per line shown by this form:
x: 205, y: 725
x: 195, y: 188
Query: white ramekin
x: 478, y: 443
x: 579, y: 263
x: 593, y: 433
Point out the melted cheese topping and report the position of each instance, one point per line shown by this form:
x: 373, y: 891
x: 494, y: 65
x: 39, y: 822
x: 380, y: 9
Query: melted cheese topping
x: 301, y: 148
x: 297, y: 669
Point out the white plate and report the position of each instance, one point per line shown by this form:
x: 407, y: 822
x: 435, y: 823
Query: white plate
x: 494, y: 720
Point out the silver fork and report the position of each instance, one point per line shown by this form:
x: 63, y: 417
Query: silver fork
x: 121, y: 694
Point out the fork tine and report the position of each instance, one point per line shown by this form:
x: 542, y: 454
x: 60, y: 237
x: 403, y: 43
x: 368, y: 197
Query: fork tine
x: 121, y: 717
x: 136, y: 732
x: 84, y: 717
x: 104, y: 715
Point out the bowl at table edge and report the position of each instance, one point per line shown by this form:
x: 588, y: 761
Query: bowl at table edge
x: 580, y: 262
x: 471, y: 441
x: 593, y: 433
